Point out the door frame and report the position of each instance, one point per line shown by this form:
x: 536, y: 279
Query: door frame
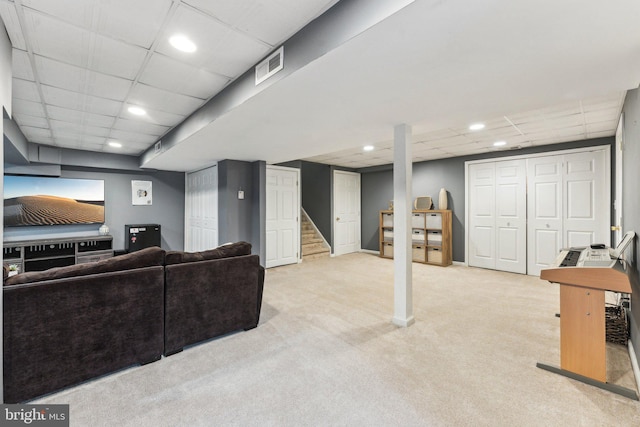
x: 298, y: 207
x: 606, y: 148
x: 618, y: 220
x: 333, y: 212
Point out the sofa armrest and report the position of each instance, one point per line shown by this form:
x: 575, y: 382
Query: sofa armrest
x: 206, y: 299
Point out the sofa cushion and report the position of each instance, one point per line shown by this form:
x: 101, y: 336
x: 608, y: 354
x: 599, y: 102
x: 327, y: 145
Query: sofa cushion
x: 224, y: 251
x: 147, y: 257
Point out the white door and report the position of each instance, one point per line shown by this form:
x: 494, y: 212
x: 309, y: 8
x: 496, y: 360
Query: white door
x: 618, y: 226
x: 346, y: 212
x: 482, y: 220
x: 511, y: 216
x: 568, y: 204
x: 544, y: 211
x: 201, y: 210
x: 497, y: 215
x: 282, y: 216
x: 586, y: 207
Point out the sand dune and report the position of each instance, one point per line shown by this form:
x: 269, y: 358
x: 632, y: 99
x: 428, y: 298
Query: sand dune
x: 50, y: 210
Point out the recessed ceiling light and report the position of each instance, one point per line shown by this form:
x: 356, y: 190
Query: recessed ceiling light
x: 182, y: 43
x: 114, y: 144
x: 368, y: 148
x: 137, y: 111
x: 499, y: 143
x: 476, y: 126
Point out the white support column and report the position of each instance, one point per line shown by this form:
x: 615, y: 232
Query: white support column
x: 402, y: 172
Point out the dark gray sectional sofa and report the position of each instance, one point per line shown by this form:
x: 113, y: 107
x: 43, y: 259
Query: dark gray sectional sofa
x: 70, y: 324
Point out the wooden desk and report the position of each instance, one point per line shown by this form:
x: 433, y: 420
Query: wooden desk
x: 582, y: 322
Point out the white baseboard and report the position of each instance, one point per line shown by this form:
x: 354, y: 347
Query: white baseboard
x: 462, y: 263
x: 369, y: 251
x: 634, y: 363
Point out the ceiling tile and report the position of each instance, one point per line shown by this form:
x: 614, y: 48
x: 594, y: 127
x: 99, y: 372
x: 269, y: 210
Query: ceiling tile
x: 139, y: 126
x: 69, y: 45
x: 12, y: 24
x: 270, y: 21
x: 78, y: 46
x: 80, y: 117
x: 77, y: 101
x: 77, y: 79
x: 161, y: 118
x: 116, y: 58
x: 134, y: 137
x: 63, y: 137
x: 35, y: 134
x: 137, y: 21
x: 21, y: 67
x: 175, y: 76
x: 70, y: 128
x: 25, y: 89
x: 221, y: 49
x: 162, y: 100
x: 78, y: 12
x: 26, y: 120
x: 21, y: 106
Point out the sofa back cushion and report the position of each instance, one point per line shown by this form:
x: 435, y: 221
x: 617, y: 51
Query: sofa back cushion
x: 147, y: 257
x: 224, y: 251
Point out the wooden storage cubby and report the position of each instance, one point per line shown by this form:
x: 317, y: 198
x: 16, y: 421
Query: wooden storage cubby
x: 430, y: 235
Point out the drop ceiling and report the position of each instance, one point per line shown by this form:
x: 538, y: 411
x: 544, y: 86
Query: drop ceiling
x: 78, y: 64
x: 535, y: 72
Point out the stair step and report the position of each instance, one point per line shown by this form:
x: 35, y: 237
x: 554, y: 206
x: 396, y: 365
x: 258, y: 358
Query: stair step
x: 311, y: 239
x: 313, y: 248
x: 316, y: 256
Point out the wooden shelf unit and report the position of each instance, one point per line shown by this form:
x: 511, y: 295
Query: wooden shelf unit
x: 431, y: 236
x: 41, y: 254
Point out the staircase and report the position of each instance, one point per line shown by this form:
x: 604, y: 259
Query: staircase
x: 313, y: 245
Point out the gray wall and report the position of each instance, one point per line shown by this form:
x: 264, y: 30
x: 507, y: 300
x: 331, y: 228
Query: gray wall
x: 167, y: 208
x: 259, y: 210
x: 428, y: 178
x: 234, y: 215
x: 242, y: 219
x: 316, y: 195
x: 631, y: 203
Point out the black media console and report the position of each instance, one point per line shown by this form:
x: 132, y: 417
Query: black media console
x: 41, y: 254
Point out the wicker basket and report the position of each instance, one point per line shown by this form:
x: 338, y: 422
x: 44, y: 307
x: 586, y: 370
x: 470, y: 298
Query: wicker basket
x: 617, y: 326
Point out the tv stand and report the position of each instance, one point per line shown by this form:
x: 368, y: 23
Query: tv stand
x: 41, y: 254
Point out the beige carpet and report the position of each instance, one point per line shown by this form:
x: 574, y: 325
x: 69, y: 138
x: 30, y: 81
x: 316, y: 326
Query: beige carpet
x: 326, y: 353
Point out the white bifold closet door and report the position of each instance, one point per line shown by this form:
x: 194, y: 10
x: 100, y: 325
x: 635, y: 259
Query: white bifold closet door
x: 497, y: 215
x: 201, y: 210
x: 568, y: 206
x: 522, y: 212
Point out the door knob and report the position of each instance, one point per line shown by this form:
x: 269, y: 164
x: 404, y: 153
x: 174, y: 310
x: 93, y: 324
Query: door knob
x: 338, y: 219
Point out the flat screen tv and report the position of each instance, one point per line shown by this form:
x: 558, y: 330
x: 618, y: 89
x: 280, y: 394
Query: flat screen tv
x: 36, y: 200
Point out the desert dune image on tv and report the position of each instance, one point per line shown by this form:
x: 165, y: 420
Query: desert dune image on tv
x: 30, y: 200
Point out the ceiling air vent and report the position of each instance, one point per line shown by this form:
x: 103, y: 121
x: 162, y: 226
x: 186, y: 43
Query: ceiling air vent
x: 270, y: 66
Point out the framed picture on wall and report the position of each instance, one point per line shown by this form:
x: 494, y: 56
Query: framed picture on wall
x: 141, y: 192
